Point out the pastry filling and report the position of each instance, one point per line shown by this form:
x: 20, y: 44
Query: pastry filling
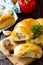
x: 8, y: 45
x: 20, y: 36
x: 29, y: 54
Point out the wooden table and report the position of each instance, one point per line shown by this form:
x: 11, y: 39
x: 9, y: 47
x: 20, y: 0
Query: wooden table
x: 38, y: 13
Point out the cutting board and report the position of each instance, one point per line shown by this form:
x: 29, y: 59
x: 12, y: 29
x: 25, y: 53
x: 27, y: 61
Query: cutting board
x: 17, y: 60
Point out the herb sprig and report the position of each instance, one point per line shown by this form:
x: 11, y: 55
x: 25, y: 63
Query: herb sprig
x: 36, y: 30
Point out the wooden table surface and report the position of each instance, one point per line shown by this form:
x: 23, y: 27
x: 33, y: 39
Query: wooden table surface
x: 38, y: 13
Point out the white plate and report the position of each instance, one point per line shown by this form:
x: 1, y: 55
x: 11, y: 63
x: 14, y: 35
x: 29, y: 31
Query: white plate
x: 15, y: 16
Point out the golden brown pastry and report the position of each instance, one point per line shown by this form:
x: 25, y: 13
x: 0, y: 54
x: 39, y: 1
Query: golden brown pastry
x: 40, y: 20
x: 28, y: 23
x: 7, y: 45
x: 6, y: 21
x: 20, y: 34
x: 14, y: 1
x: 39, y: 40
x: 29, y: 30
x: 28, y: 50
x: 22, y: 30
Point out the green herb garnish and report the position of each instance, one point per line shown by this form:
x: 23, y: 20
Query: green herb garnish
x: 36, y: 30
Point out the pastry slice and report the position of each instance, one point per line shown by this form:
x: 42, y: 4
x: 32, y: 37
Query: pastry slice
x: 21, y: 34
x: 6, y: 21
x: 7, y: 46
x: 38, y: 41
x: 23, y: 30
x: 28, y: 50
